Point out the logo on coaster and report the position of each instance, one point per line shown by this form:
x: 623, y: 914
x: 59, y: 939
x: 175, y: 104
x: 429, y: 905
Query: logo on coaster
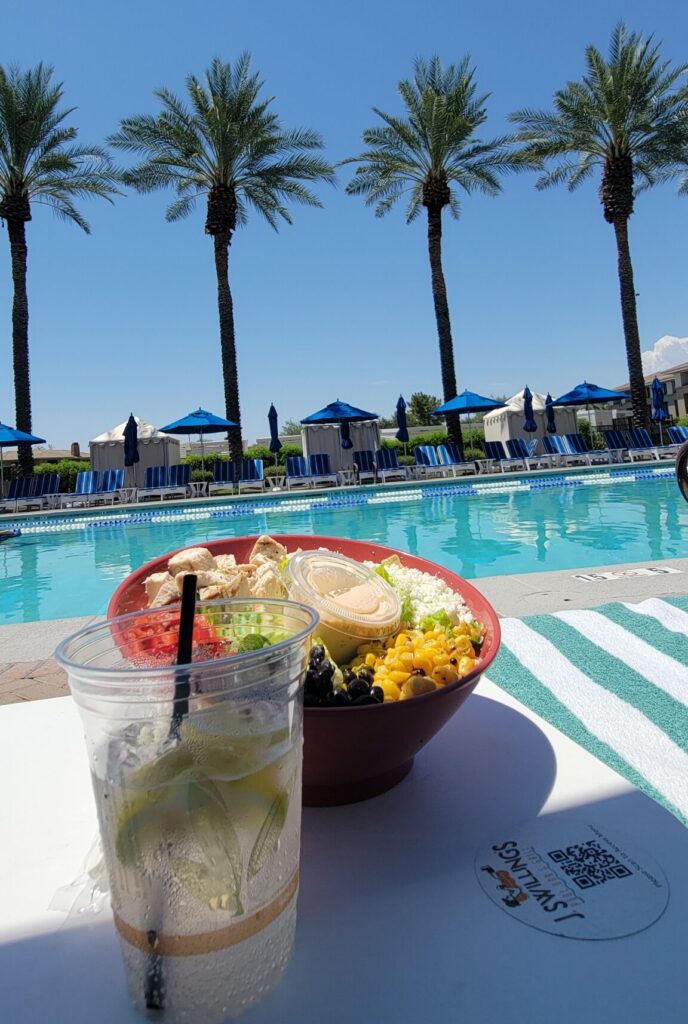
x: 574, y: 879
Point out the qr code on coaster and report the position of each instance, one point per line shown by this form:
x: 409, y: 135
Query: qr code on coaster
x: 589, y: 864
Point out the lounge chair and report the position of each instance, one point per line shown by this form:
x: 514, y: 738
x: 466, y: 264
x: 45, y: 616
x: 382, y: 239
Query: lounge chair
x: 163, y: 482
x: 179, y: 480
x: 518, y: 448
x: 554, y: 445
x: 495, y: 450
x: 388, y: 465
x: 20, y: 489
x: 223, y: 476
x: 616, y: 443
x: 427, y: 463
x: 87, y: 484
x: 47, y: 485
x: 321, y: 469
x: 678, y: 435
x: 640, y: 441
x: 297, y: 472
x: 364, y: 466
x: 251, y: 475
x: 111, y: 483
x: 577, y: 445
x: 450, y: 457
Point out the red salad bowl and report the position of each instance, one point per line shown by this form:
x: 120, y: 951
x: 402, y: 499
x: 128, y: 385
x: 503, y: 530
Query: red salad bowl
x: 384, y: 737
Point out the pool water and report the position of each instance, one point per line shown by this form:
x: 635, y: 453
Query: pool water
x: 70, y: 566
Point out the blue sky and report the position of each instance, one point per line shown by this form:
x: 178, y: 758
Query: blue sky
x: 339, y: 304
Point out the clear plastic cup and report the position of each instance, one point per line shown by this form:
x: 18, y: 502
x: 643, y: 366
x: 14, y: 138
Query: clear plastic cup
x: 196, y: 772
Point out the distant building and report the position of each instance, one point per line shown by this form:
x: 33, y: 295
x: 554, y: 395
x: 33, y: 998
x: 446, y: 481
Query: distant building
x: 675, y: 382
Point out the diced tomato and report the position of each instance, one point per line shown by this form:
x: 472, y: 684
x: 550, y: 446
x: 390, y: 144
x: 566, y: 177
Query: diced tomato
x: 152, y: 641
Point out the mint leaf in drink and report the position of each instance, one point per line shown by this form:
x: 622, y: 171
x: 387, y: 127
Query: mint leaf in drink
x: 252, y: 642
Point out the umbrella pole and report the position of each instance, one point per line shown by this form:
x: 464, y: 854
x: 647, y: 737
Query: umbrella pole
x: 2, y: 475
x: 202, y: 453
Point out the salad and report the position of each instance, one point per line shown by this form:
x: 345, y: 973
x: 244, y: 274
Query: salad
x: 388, y: 632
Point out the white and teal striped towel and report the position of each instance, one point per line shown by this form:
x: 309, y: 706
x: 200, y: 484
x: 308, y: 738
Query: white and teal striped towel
x: 614, y: 679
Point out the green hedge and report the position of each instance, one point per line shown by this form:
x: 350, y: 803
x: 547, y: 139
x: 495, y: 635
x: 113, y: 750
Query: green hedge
x: 682, y: 422
x: 67, y: 468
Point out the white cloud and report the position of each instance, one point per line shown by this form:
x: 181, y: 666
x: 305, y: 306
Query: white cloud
x: 665, y: 353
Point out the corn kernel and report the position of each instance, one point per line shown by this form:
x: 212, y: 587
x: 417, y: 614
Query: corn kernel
x: 399, y: 677
x: 466, y: 665
x: 422, y: 660
x: 390, y: 689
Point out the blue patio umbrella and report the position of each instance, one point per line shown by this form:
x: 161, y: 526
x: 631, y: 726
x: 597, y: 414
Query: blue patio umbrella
x: 131, y: 442
x: 467, y: 402
x: 343, y: 414
x: 659, y: 409
x: 549, y: 414
x: 275, y: 443
x: 199, y: 422
x: 529, y: 423
x: 402, y: 433
x: 590, y: 394
x: 11, y: 437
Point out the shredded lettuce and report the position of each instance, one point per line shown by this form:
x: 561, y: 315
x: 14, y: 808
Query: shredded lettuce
x: 381, y: 571
x: 440, y: 618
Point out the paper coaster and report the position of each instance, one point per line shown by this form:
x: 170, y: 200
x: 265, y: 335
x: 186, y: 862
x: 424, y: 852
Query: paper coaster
x: 573, y: 879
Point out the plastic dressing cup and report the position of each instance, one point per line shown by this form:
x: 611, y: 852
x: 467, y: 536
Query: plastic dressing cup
x: 354, y: 603
x: 200, y: 823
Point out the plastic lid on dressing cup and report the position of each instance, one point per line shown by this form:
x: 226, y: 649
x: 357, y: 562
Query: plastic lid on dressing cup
x: 348, y: 595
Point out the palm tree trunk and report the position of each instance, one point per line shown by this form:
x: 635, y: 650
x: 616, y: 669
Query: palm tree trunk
x: 439, y: 295
x: 630, y: 324
x: 20, y: 340
x: 228, y: 344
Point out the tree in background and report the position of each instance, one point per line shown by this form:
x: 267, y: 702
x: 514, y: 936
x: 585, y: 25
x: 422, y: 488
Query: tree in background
x: 428, y: 154
x: 226, y: 146
x: 290, y: 427
x: 628, y: 117
x: 39, y: 166
x: 420, y: 407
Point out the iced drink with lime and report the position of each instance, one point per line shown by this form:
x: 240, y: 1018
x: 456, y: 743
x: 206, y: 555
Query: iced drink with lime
x: 200, y: 824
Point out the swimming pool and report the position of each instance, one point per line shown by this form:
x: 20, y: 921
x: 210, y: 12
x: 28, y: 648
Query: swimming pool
x: 68, y: 565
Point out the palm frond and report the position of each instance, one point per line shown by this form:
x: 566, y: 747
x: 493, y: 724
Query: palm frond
x: 435, y: 139
x: 627, y: 104
x: 226, y: 135
x: 39, y: 158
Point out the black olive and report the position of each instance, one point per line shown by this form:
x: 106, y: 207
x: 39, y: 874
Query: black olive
x: 453, y: 661
x: 366, y: 673
x: 317, y: 653
x: 365, y: 699
x: 359, y: 688
x: 378, y: 693
x: 340, y: 698
x: 311, y: 701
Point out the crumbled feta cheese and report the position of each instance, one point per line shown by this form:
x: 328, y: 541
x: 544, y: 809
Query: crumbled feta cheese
x: 427, y: 594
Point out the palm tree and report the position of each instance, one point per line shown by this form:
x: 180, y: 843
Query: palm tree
x: 626, y: 117
x: 39, y: 165
x: 228, y: 146
x: 428, y: 154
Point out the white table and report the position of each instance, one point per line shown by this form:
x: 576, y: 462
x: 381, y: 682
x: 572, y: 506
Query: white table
x: 393, y: 927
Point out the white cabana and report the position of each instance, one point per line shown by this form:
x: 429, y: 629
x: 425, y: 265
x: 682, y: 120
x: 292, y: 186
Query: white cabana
x: 155, y: 449
x: 326, y: 439
x: 503, y: 424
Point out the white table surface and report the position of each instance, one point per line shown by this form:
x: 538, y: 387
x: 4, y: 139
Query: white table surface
x: 393, y: 926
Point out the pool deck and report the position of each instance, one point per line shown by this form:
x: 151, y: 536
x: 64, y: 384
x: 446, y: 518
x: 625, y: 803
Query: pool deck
x: 28, y: 670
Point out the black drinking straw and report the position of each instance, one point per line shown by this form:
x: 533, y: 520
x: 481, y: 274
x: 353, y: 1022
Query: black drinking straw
x: 184, y: 650
x: 154, y: 975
